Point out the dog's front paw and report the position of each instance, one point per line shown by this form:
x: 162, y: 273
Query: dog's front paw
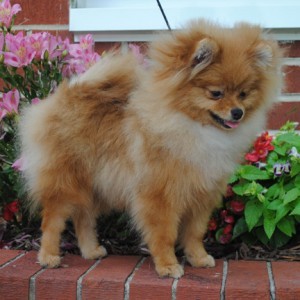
x: 99, y: 252
x: 205, y: 262
x: 175, y: 271
x: 47, y: 260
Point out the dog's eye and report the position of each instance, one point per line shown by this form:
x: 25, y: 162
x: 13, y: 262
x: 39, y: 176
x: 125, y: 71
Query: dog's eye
x: 242, y: 95
x: 216, y: 94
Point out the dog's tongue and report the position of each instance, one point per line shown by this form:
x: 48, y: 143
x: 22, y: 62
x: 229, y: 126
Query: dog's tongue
x: 232, y: 124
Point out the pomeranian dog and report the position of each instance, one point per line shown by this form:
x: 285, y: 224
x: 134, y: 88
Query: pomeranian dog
x: 159, y: 141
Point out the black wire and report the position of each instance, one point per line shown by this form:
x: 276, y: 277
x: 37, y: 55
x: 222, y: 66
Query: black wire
x: 164, y: 15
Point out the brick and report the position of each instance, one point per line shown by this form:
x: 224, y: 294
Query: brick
x: 7, y: 255
x: 247, y: 280
x: 15, y: 277
x: 292, y: 49
x: 283, y: 112
x: 287, y: 280
x: 101, y: 47
x: 107, y: 280
x: 147, y: 285
x: 61, y: 283
x: 42, y: 12
x: 201, y: 283
x: 292, y: 79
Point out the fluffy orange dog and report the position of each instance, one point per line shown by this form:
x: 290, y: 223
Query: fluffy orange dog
x: 159, y: 142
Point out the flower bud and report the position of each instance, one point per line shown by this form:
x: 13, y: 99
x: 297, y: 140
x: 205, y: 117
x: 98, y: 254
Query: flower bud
x: 46, y: 55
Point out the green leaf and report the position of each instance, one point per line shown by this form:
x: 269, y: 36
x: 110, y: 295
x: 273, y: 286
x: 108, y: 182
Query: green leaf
x: 281, y: 150
x: 253, y: 211
x: 233, y: 178
x: 269, y: 222
x: 239, y: 228
x: 275, y: 204
x: 272, y: 158
x: 240, y: 189
x: 273, y: 191
x: 282, y: 211
x: 296, y: 210
x: 260, y: 233
x: 290, y: 138
x: 287, y: 226
x: 291, y: 195
x: 252, y: 173
x: 278, y: 239
x: 295, y: 168
x: 297, y: 181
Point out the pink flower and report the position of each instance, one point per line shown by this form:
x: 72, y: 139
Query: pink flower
x: 20, y: 53
x: 7, y: 12
x: 37, y: 42
x: 136, y: 50
x: 52, y: 50
x: 18, y: 165
x: 84, y: 47
x: 3, y: 113
x: 10, y: 103
x: 35, y: 101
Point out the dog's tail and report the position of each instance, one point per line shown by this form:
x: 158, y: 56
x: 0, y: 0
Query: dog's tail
x: 112, y: 79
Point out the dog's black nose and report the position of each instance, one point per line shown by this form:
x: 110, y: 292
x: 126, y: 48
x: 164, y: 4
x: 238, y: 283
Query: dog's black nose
x: 236, y: 114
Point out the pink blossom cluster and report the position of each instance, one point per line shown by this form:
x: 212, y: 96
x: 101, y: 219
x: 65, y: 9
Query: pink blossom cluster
x: 22, y: 50
x: 7, y: 12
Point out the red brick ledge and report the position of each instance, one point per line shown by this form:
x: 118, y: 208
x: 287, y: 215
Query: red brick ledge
x: 133, y: 277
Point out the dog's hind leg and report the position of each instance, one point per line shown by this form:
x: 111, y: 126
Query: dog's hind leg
x: 53, y: 224
x: 85, y: 227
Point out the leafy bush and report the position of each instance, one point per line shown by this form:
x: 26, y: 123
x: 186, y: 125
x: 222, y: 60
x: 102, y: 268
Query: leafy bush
x: 266, y: 191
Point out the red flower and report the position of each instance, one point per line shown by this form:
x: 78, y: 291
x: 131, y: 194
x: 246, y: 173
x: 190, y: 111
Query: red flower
x: 212, y: 225
x: 227, y: 229
x: 237, y: 206
x: 225, y: 238
x: 229, y: 219
x: 261, y: 148
x: 229, y: 192
x: 223, y: 213
x: 10, y: 210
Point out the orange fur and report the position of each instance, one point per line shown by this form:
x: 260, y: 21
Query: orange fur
x: 158, y: 141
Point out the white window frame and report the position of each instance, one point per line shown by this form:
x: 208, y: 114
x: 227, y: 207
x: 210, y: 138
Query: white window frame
x: 136, y: 20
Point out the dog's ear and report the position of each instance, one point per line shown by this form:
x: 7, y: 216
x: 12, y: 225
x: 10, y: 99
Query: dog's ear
x: 205, y: 52
x: 263, y: 54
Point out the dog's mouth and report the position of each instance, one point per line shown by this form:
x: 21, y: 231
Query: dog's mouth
x: 228, y: 124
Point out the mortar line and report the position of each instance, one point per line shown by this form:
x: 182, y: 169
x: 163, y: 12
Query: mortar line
x: 12, y: 260
x: 271, y: 281
x: 32, y: 279
x: 224, y: 279
x: 130, y: 277
x: 176, y: 280
x: 80, y: 279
